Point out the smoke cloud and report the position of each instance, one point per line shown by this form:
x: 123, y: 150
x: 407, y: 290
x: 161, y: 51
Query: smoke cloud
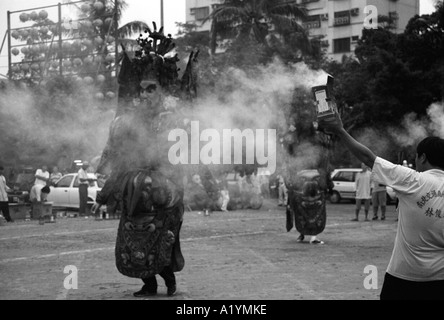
x: 43, y: 129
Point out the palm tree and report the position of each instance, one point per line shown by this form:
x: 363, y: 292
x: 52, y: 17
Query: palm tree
x: 245, y: 19
x: 123, y: 32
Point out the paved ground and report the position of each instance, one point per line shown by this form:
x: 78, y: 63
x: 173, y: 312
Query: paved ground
x: 229, y: 256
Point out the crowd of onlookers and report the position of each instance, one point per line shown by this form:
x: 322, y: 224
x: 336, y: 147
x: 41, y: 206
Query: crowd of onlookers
x: 231, y: 191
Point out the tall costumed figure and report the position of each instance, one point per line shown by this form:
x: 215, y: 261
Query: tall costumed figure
x: 310, y: 185
x: 143, y: 186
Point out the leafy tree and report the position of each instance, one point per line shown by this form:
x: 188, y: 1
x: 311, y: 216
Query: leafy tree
x: 255, y: 19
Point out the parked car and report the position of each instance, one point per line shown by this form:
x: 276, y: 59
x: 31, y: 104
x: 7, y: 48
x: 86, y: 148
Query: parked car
x: 65, y: 192
x: 344, y: 185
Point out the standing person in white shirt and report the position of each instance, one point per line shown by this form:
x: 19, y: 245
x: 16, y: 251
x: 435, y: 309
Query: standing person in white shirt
x: 84, y: 181
x: 416, y: 267
x: 362, y: 182
x: 4, y: 202
x: 41, y: 179
x: 41, y: 176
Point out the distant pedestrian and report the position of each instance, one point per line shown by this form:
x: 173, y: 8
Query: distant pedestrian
x: 379, y: 199
x: 84, y: 182
x: 283, y: 192
x: 42, y: 176
x: 55, y: 175
x: 4, y: 202
x: 362, y: 183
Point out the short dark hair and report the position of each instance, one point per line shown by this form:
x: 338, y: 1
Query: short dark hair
x: 433, y: 148
x: 1, y: 168
x: 46, y: 189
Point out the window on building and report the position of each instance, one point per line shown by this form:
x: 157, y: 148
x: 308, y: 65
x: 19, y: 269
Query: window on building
x: 393, y: 18
x: 341, y: 45
x: 311, y: 22
x: 200, y: 13
x: 342, y: 18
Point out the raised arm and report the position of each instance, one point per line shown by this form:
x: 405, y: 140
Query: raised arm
x: 334, y: 126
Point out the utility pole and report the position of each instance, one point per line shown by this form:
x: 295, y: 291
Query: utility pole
x: 161, y: 13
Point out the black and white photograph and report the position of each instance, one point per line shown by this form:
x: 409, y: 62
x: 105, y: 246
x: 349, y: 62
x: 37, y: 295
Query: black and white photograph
x: 219, y: 158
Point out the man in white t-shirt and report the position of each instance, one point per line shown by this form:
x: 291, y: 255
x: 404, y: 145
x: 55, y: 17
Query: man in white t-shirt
x: 41, y: 176
x: 416, y: 267
x: 362, y: 183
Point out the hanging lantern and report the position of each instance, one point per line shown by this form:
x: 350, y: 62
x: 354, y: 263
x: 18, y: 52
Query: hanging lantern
x: 87, y: 43
x: 88, y: 80
x: 99, y: 96
x: 15, y: 51
x: 43, y: 48
x: 25, y: 50
x: 24, y: 67
x: 110, y: 39
x: 77, y: 62
x: 44, y: 30
x: 35, y: 66
x: 85, y: 8
x: 25, y: 34
x: 98, y: 22
x: 66, y: 46
x: 88, y: 60
x: 87, y: 24
x: 110, y: 95
x: 76, y: 44
x: 67, y: 63
x: 98, y: 41
x: 109, y: 58
x: 99, y: 6
x: 55, y: 64
x: 34, y: 49
x: 34, y: 16
x: 34, y: 33
x: 53, y: 29
x: 24, y: 17
x: 100, y: 78
x: 15, y: 68
x: 108, y: 22
x: 15, y: 34
x: 43, y: 14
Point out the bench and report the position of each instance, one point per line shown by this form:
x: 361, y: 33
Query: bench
x: 19, y: 211
x: 42, y: 210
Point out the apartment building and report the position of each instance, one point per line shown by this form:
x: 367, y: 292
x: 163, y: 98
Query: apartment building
x: 338, y: 23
